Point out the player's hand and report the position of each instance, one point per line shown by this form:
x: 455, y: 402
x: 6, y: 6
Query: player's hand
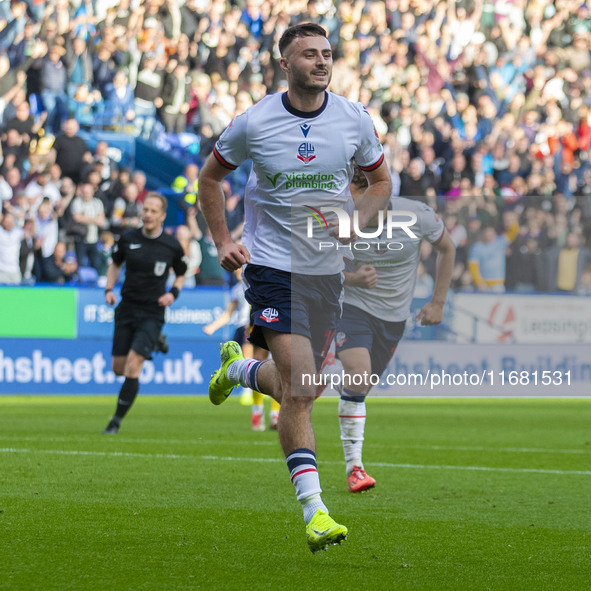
x: 166, y: 299
x: 430, y: 314
x: 110, y: 298
x: 232, y: 256
x: 208, y: 329
x: 366, y: 277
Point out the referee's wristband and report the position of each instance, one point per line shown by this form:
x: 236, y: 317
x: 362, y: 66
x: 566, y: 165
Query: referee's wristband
x: 174, y: 291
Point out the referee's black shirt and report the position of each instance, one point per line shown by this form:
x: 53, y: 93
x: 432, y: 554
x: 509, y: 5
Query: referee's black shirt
x: 147, y: 263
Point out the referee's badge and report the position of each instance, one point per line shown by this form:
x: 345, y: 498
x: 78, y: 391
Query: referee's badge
x: 159, y: 268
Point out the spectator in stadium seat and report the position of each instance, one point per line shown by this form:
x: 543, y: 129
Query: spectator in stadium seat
x: 138, y: 178
x: 27, y: 251
x: 86, y: 106
x: 15, y: 152
x: 40, y: 188
x: 147, y: 96
x: 94, y: 178
x: 525, y: 265
x: 192, y: 253
x: 61, y: 266
x: 14, y: 179
x: 71, y: 152
x: 63, y: 207
x: 107, y: 164
x: 79, y: 64
x: 414, y: 183
x: 119, y: 102
x: 53, y: 84
x: 486, y: 260
x: 210, y: 270
x: 106, y: 244
x: 190, y: 17
x: 198, y: 101
x: 104, y: 67
x: 10, y: 243
x: 175, y: 99
x: 25, y: 123
x: 89, y: 211
x: 46, y: 236
x: 566, y: 265
x: 126, y: 211
x: 5, y: 192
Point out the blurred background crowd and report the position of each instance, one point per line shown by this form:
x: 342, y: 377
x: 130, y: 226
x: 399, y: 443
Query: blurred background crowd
x: 484, y: 109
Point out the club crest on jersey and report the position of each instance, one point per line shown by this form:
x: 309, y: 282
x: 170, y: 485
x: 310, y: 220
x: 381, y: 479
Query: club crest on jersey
x: 270, y: 315
x: 159, y: 268
x: 305, y: 127
x: 306, y: 152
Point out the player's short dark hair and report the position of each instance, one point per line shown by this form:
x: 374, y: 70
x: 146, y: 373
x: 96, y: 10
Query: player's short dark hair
x: 161, y: 198
x: 298, y: 31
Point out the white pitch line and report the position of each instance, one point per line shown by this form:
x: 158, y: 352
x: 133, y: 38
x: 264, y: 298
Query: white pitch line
x: 133, y: 440
x: 275, y: 460
x: 529, y: 450
x: 532, y: 450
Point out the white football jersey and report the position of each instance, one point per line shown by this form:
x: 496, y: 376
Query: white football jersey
x: 395, y: 259
x: 302, y: 161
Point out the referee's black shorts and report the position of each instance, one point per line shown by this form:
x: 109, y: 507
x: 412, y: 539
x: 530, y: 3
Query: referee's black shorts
x: 136, y: 328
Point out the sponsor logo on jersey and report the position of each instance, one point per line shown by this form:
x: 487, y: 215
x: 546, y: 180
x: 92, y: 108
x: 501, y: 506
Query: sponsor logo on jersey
x: 312, y: 180
x: 159, y: 268
x: 134, y: 246
x: 306, y: 152
x: 270, y: 315
x: 273, y: 179
x: 305, y: 127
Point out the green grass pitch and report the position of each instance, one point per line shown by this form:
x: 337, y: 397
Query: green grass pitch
x: 471, y: 494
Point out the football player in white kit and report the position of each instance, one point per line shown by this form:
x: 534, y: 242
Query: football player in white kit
x: 378, y: 295
x: 302, y: 144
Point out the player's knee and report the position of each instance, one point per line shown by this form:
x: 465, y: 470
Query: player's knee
x: 118, y: 368
x: 300, y: 403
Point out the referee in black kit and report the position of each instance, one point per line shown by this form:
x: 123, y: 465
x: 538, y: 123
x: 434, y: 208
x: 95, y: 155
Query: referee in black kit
x: 149, y: 253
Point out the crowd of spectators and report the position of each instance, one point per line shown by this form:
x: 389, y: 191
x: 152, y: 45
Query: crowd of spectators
x: 484, y: 109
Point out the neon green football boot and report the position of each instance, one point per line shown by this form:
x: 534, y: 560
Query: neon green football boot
x: 220, y: 386
x: 323, y: 531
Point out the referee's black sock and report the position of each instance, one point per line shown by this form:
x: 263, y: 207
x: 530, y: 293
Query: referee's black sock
x: 127, y: 394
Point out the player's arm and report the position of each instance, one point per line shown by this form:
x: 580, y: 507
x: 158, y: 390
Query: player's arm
x: 179, y: 266
x: 369, y: 156
x: 372, y: 200
x: 230, y: 255
x: 168, y: 298
x: 222, y: 319
x: 432, y: 312
x: 113, y: 273
x: 377, y: 194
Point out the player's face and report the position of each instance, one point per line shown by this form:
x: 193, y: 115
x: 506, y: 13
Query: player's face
x: 308, y: 64
x: 153, y: 215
